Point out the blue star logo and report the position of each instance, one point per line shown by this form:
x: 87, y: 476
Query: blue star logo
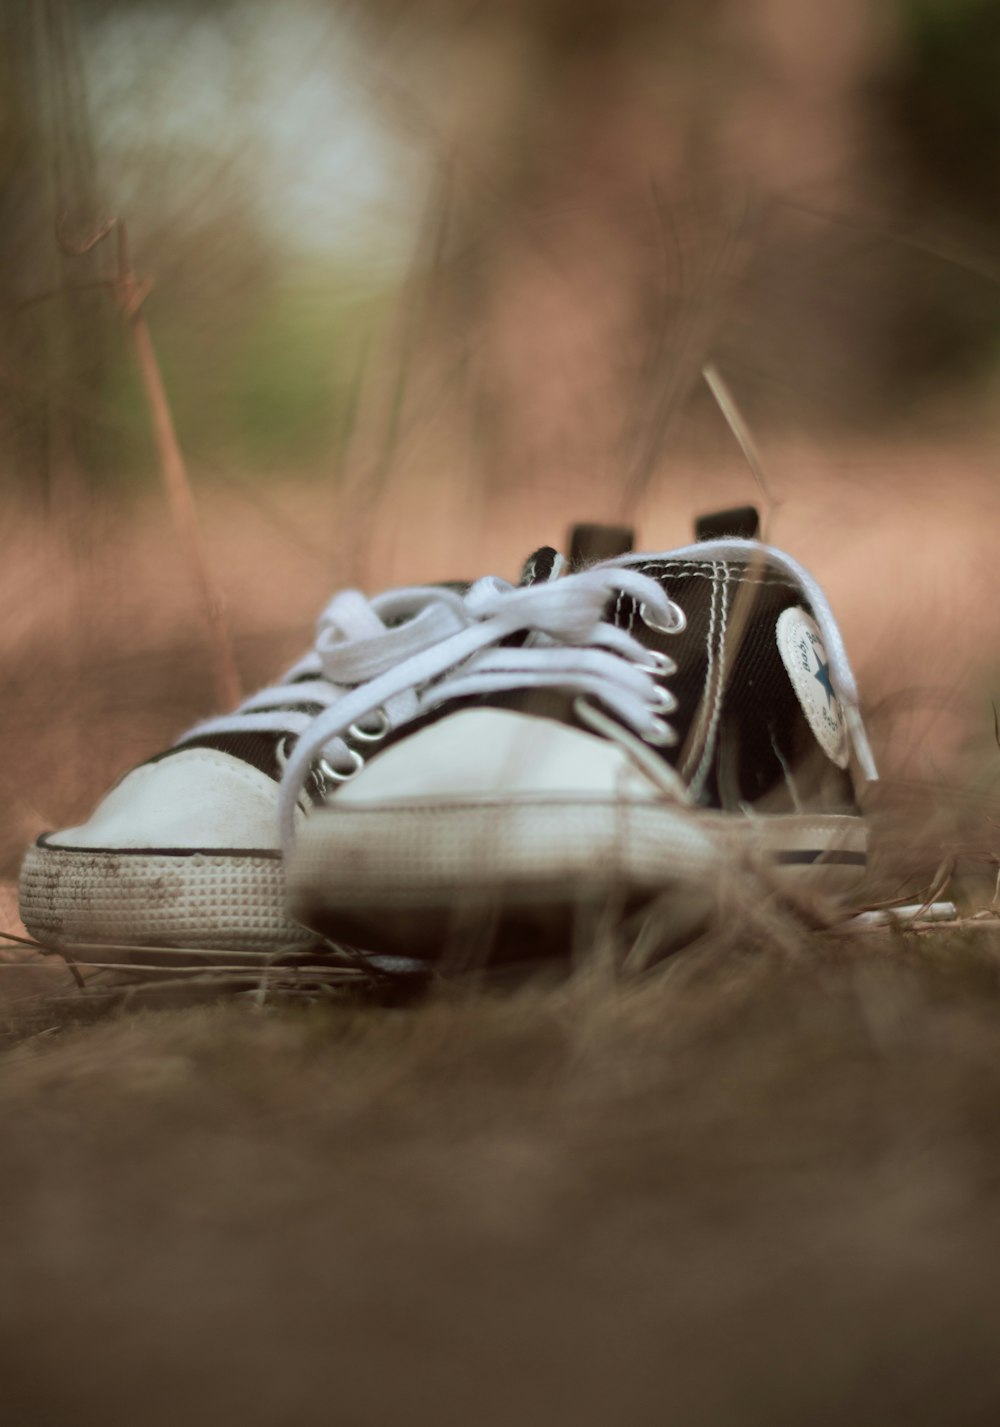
x: 822, y: 675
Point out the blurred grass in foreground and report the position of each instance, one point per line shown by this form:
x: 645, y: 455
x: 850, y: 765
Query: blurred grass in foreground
x: 758, y: 1190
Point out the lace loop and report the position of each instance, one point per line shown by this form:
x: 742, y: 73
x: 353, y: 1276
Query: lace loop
x: 373, y: 732
x: 357, y: 639
x: 675, y: 621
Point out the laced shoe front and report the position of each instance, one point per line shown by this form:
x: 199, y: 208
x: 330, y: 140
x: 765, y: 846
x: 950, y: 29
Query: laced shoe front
x: 614, y: 738
x: 184, y: 850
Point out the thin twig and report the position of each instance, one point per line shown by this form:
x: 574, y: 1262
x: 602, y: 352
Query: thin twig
x: 131, y: 293
x: 734, y: 419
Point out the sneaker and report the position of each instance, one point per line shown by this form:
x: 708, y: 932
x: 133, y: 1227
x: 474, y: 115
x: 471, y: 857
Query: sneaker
x: 615, y: 737
x: 184, y: 851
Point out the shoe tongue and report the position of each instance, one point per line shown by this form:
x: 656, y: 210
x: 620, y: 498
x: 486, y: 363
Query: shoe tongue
x: 588, y: 543
x: 742, y: 521
x: 544, y: 565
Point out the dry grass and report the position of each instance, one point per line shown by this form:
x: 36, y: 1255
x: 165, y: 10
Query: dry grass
x: 759, y: 1188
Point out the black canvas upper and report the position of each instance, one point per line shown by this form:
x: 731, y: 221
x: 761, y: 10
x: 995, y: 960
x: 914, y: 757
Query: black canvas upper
x: 762, y: 751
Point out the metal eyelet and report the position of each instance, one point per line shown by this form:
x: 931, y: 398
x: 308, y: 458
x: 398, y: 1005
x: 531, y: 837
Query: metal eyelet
x: 374, y: 731
x: 663, y: 700
x: 341, y: 775
x: 656, y: 663
x: 678, y: 626
x: 324, y: 767
x: 661, y: 735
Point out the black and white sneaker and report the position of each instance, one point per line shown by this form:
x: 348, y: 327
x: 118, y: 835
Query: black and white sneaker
x: 184, y: 851
x: 617, y: 736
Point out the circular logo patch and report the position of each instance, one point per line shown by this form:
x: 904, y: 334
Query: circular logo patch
x: 803, y: 655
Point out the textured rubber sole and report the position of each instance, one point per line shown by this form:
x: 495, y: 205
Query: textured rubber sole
x: 526, y: 879
x: 204, y: 900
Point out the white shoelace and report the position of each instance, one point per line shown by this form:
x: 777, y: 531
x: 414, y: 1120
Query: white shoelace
x: 375, y: 635
x: 572, y: 647
x: 452, y: 647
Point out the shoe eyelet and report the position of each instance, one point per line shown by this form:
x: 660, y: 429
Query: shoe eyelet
x: 341, y: 775
x: 663, y: 700
x: 677, y: 627
x: 660, y: 734
x: 657, y: 663
x: 375, y: 731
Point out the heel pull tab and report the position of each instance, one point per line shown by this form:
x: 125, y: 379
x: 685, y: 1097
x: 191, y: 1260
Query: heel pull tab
x: 743, y: 521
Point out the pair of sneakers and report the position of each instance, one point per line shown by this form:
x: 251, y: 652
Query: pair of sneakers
x: 608, y: 738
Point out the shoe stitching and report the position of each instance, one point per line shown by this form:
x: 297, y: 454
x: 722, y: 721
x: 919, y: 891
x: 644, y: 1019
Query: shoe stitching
x: 619, y: 614
x: 618, y: 607
x: 707, y: 567
x: 688, y: 570
x: 709, y: 671
x: 719, y: 685
x: 230, y: 763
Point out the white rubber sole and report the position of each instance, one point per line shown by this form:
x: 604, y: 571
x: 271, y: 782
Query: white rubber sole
x: 414, y: 877
x: 232, y: 901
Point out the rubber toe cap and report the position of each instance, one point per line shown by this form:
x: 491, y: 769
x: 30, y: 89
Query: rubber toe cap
x: 497, y: 754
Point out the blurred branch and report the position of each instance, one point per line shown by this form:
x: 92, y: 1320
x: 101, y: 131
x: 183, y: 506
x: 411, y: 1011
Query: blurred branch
x: 737, y: 424
x: 131, y: 293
